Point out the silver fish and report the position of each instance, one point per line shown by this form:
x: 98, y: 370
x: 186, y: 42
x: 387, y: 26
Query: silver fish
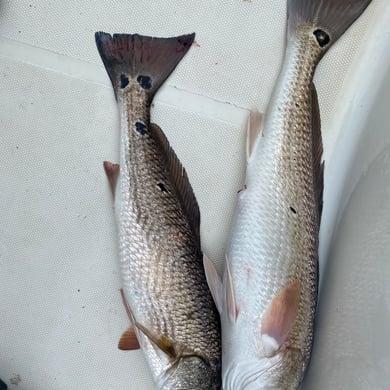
x: 269, y: 293
x: 174, y: 317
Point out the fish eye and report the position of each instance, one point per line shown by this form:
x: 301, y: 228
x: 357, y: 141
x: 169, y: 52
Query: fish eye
x: 322, y: 37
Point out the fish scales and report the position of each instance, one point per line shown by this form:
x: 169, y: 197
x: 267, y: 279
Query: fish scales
x: 159, y: 244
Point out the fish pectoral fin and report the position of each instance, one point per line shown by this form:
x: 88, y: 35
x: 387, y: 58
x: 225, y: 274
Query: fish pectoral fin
x: 128, y: 340
x: 112, y: 172
x: 214, y: 282
x: 279, y: 318
x: 230, y: 297
x: 172, y: 348
x: 127, y: 306
x: 255, y: 128
x: 166, y: 345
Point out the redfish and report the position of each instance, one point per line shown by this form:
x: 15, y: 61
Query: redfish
x: 268, y: 296
x: 172, y: 311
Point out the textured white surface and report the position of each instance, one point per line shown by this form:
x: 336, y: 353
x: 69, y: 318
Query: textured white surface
x: 60, y: 311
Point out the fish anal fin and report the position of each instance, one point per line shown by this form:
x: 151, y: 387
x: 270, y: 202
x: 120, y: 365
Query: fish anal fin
x: 230, y: 296
x: 179, y: 179
x: 318, y: 165
x: 279, y: 318
x: 146, y: 60
x: 327, y: 20
x: 255, y: 127
x: 112, y: 172
x: 214, y: 282
x: 128, y: 340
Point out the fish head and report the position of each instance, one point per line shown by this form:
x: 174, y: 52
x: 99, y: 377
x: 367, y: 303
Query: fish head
x: 284, y: 371
x: 192, y: 372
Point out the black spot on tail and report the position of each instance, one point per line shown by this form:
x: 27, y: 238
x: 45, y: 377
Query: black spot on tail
x: 144, y: 81
x: 162, y: 187
x: 322, y: 37
x: 293, y: 210
x: 141, y: 128
x: 124, y: 81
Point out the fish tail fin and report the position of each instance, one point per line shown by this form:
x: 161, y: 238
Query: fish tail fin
x: 327, y: 20
x: 147, y: 60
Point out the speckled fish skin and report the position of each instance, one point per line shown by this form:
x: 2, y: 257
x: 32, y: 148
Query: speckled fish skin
x: 159, y: 245
x: 274, y: 238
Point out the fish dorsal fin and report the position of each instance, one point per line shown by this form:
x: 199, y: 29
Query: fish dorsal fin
x: 148, y: 60
x: 112, y: 172
x: 326, y: 20
x: 214, y: 282
x: 318, y: 165
x: 179, y: 178
x: 128, y: 340
x: 279, y: 318
x: 230, y: 297
x: 255, y: 128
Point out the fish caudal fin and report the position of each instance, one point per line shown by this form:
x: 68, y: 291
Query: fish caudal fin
x: 326, y: 19
x: 147, y: 60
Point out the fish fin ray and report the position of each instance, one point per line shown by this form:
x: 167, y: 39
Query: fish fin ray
x: 317, y: 149
x: 162, y: 342
x: 331, y: 16
x: 173, y: 349
x: 214, y: 282
x: 148, y: 60
x: 279, y: 318
x: 128, y: 340
x: 230, y: 298
x: 255, y: 128
x: 112, y: 172
x: 127, y: 306
x: 180, y: 180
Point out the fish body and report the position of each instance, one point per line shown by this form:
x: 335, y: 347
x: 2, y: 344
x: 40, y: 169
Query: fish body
x: 269, y: 293
x: 172, y: 310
